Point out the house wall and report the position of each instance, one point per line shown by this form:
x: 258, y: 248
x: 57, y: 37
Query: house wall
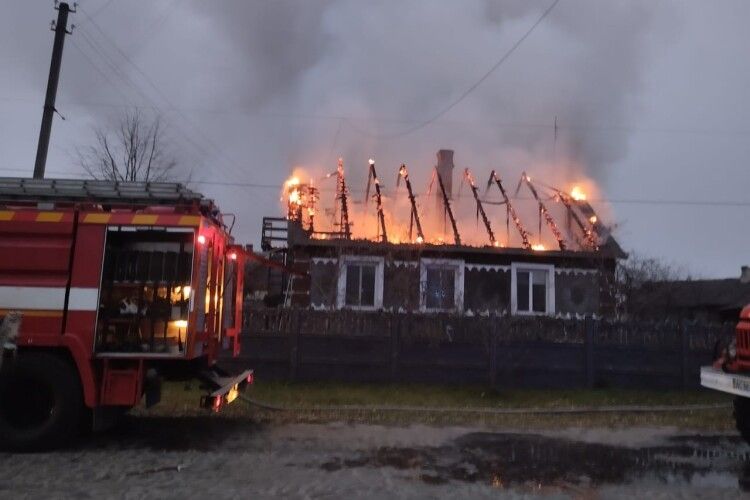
x: 577, y: 291
x: 401, y: 286
x: 578, y: 282
x: 323, y: 282
x: 487, y: 289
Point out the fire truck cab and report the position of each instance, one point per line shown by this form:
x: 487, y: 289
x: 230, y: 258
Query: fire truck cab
x: 106, y: 288
x: 730, y: 373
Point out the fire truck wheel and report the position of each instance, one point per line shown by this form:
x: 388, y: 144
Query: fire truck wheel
x: 742, y: 416
x: 42, y: 402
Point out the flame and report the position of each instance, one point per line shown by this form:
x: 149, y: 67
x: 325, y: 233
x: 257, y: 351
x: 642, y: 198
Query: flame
x: 180, y: 323
x: 294, y: 194
x: 577, y: 193
x: 292, y: 181
x: 317, y: 209
x: 294, y: 197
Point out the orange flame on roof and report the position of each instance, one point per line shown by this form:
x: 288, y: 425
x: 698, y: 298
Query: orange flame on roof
x: 577, y: 193
x: 305, y: 203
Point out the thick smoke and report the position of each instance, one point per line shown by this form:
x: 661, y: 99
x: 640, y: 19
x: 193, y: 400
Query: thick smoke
x: 263, y: 87
x: 343, y: 77
x: 384, y: 66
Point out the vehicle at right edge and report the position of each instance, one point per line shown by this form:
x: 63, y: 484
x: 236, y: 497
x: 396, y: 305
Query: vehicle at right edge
x: 730, y: 373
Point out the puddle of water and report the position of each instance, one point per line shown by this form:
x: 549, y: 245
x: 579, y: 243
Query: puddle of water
x: 508, y: 460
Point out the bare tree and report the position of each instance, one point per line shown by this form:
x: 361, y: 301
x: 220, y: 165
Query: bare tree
x: 132, y: 151
x: 637, y: 270
x: 639, y: 274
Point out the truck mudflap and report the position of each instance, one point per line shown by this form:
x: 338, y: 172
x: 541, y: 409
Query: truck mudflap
x: 225, y: 388
x: 731, y: 383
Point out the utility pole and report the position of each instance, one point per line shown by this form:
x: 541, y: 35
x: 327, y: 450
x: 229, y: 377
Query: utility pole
x: 61, y: 29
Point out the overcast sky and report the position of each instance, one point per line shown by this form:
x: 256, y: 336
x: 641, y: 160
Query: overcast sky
x: 651, y: 99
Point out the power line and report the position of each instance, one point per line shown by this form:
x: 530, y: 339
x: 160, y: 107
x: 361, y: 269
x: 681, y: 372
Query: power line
x: 240, y: 110
x: 474, y: 86
x: 101, y: 8
x: 155, y: 26
x: 133, y: 85
x: 148, y: 80
x: 97, y: 68
x: 98, y: 49
x: 625, y: 201
x: 616, y: 201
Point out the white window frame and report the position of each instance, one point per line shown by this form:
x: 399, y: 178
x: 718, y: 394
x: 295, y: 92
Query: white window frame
x: 344, y: 261
x: 458, y: 267
x: 523, y: 266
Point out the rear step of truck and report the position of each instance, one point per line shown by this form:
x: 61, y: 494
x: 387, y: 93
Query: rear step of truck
x: 224, y: 387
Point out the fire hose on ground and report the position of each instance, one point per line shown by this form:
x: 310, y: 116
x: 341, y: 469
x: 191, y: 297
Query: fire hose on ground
x: 490, y: 411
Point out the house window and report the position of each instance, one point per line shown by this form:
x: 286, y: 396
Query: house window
x: 532, y: 289
x: 360, y: 285
x: 442, y: 284
x: 360, y: 282
x: 440, y: 288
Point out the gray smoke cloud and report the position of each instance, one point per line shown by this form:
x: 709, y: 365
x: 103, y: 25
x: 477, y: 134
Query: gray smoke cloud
x: 329, y: 78
x: 275, y: 84
x: 384, y: 66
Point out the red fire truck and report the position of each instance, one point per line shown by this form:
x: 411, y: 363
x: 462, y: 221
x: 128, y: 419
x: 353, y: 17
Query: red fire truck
x: 730, y: 373
x: 105, y: 289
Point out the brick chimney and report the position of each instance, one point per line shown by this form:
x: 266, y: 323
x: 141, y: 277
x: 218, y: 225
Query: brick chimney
x: 745, y: 275
x: 445, y: 169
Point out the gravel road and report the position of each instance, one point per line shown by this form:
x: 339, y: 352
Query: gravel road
x: 218, y: 458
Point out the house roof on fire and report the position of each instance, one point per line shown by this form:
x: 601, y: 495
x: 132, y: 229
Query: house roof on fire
x: 571, y: 220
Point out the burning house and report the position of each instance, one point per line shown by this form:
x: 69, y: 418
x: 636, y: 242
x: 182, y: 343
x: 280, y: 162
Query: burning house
x: 475, y: 250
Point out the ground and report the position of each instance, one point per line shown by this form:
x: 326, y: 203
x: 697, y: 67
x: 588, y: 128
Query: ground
x: 463, y: 405
x: 322, y: 454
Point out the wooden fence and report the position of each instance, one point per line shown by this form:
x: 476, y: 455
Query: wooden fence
x: 301, y: 344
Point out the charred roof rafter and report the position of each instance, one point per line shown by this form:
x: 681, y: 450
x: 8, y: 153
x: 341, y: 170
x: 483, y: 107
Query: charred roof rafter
x: 588, y: 234
x: 447, y: 207
x: 372, y: 177
x: 510, y: 212
x: 414, y: 219
x: 480, y: 209
x: 543, y: 212
x: 343, y: 197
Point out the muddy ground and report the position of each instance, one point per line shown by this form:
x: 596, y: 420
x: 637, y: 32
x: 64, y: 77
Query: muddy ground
x: 217, y: 458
